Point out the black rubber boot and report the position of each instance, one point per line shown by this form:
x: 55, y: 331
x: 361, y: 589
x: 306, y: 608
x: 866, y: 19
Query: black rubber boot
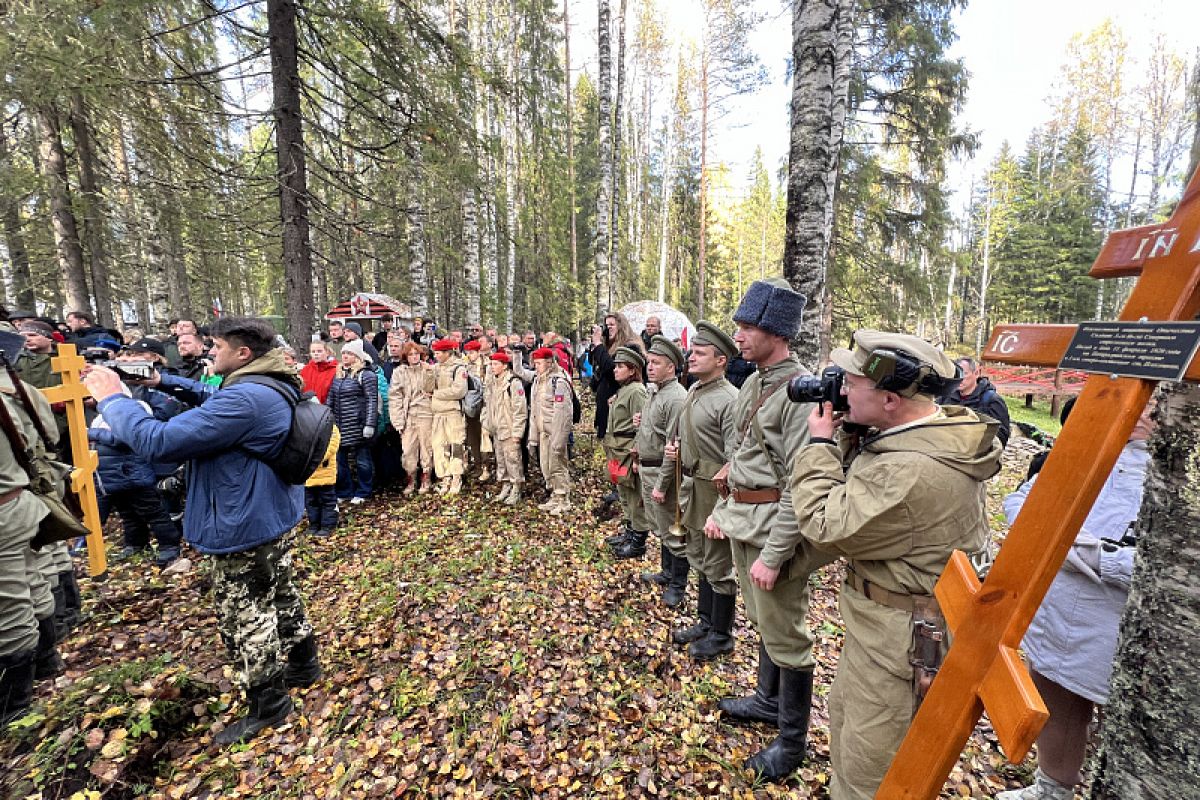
x: 633, y: 547
x: 47, y: 663
x: 620, y: 536
x: 303, y: 668
x: 16, y: 685
x: 719, y: 640
x: 785, y: 755
x: 663, y: 576
x: 74, y: 602
x: 59, y: 593
x: 269, y: 705
x: 704, y: 607
x: 763, y: 705
x: 676, y: 591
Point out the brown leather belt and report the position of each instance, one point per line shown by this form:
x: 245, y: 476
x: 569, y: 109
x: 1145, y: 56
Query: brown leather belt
x: 650, y: 462
x: 11, y: 495
x: 755, y: 496
x: 882, y: 596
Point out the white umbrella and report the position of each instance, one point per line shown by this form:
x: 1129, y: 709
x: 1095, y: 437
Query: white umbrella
x: 675, y: 324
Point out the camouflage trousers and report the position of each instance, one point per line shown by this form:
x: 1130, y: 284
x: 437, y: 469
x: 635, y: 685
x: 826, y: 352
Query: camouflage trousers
x: 259, y: 611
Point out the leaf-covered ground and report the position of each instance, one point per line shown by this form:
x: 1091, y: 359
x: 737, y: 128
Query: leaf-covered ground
x: 469, y: 649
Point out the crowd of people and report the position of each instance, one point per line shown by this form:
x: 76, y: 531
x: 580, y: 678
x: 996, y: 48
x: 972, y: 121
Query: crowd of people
x: 750, y: 473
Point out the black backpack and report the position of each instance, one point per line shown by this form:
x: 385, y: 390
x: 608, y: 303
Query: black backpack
x: 307, y: 440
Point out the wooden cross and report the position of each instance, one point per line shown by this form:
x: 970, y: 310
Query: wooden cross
x: 72, y: 393
x: 982, y: 670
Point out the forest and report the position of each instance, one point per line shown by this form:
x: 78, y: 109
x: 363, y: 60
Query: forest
x: 162, y: 160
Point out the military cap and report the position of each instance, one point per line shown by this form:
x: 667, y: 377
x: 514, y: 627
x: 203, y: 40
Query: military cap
x: 501, y: 357
x: 709, y: 334
x: 662, y: 346
x: 772, y: 305
x: 630, y: 356
x: 868, y: 342
x: 472, y: 346
x: 541, y: 353
x: 444, y: 345
x: 147, y: 345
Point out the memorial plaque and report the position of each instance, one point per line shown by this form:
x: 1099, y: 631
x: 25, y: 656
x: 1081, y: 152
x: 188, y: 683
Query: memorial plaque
x: 1158, y: 351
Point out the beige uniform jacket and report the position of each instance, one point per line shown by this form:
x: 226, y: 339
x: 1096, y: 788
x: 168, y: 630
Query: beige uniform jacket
x: 551, y: 408
x: 706, y: 432
x: 505, y: 410
x: 659, y: 419
x: 410, y: 394
x: 449, y: 386
x: 763, y: 461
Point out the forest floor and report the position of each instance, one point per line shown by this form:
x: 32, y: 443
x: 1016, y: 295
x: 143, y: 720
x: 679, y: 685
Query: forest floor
x: 469, y: 650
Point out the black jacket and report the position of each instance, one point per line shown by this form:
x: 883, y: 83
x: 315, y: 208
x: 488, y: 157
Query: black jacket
x: 986, y: 400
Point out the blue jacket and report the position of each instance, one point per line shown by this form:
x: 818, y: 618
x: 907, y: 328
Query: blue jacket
x: 235, y: 501
x: 120, y: 467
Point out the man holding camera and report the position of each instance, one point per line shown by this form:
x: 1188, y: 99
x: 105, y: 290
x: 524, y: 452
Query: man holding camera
x: 773, y: 562
x: 896, y: 500
x: 239, y: 511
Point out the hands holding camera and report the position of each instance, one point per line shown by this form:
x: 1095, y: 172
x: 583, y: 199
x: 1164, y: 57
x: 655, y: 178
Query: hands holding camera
x: 822, y: 422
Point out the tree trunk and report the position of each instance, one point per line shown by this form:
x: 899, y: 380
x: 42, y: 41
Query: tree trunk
x: 822, y: 39
x: 702, y: 251
x: 614, y: 245
x: 66, y: 233
x: 510, y: 172
x: 1149, y: 743
x: 93, y: 214
x: 14, y: 240
x: 290, y: 170
x: 570, y: 141
x: 604, y: 193
x: 664, y: 217
x: 470, y: 216
x: 418, y: 277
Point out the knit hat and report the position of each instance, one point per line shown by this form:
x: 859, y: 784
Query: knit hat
x: 627, y: 355
x: 443, y: 346
x: 472, y: 346
x: 354, y: 326
x: 542, y: 352
x: 772, y: 305
x: 709, y: 334
x: 36, y: 326
x: 662, y: 346
x: 502, y: 357
x: 864, y: 360
x: 356, y: 347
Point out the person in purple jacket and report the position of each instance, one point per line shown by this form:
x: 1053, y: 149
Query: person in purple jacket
x: 239, y: 513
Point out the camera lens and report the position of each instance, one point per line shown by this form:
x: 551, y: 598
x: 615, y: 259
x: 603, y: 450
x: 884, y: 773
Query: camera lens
x: 806, y: 389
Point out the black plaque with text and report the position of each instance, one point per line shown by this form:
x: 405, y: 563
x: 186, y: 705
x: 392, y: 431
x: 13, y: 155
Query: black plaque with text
x: 1159, y: 351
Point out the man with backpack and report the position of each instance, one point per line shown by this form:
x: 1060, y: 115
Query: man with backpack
x: 240, y: 510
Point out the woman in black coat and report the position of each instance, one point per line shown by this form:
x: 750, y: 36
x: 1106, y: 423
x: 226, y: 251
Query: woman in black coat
x: 354, y: 401
x: 615, y: 332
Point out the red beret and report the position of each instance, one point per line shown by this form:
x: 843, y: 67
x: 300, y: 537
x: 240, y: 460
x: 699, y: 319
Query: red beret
x: 443, y: 345
x: 472, y: 346
x: 543, y: 352
x: 501, y: 357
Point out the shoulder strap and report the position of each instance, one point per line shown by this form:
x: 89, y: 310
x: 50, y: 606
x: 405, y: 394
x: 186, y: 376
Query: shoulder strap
x: 15, y: 440
x: 273, y: 383
x: 23, y: 395
x: 762, y: 398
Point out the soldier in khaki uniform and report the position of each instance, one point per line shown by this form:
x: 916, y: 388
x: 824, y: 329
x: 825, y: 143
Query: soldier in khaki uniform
x: 896, y: 502
x: 623, y: 407
x: 550, y: 421
x: 703, y: 443
x: 449, y: 422
x: 505, y: 414
x: 773, y: 563
x: 659, y: 492
x: 409, y: 412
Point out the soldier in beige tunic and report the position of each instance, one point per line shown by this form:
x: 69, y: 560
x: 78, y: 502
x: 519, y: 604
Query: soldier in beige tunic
x: 505, y: 413
x: 773, y: 562
x: 449, y: 422
x: 550, y: 420
x: 659, y: 492
x: 623, y: 407
x: 896, y: 502
x: 705, y: 436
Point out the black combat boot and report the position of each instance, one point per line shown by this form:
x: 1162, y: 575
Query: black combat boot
x: 784, y: 755
x: 269, y: 705
x: 676, y: 591
x: 47, y: 663
x: 620, y: 536
x: 663, y: 576
x: 719, y: 639
x: 16, y: 685
x: 59, y: 593
x: 763, y: 705
x: 74, y: 603
x: 633, y: 547
x: 704, y: 607
x: 303, y: 668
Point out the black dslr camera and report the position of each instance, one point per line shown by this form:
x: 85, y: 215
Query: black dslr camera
x: 823, y: 388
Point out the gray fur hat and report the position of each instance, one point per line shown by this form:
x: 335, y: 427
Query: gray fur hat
x: 772, y: 305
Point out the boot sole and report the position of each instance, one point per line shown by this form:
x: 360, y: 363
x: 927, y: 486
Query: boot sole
x: 270, y: 722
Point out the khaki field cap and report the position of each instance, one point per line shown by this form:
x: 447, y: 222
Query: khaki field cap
x: 709, y: 334
x: 662, y: 346
x: 860, y: 360
x: 627, y: 355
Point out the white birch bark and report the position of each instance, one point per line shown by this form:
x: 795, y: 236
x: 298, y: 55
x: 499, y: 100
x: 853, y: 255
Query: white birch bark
x: 601, y: 242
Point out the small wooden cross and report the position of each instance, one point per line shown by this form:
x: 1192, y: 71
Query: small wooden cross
x: 982, y: 670
x: 72, y: 393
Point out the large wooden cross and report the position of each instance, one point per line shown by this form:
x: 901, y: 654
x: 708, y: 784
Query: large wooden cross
x: 983, y: 670
x: 72, y: 394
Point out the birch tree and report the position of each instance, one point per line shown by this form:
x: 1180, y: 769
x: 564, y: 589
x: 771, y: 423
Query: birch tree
x: 602, y: 240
